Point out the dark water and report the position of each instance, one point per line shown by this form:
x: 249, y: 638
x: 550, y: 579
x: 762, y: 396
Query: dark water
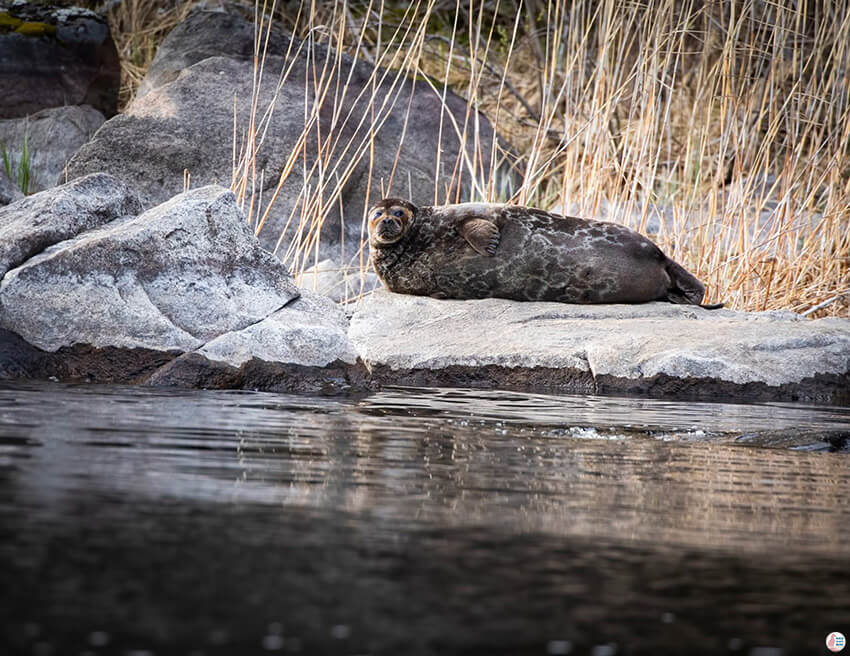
x: 138, y: 521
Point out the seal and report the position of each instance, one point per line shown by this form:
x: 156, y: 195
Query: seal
x: 482, y: 250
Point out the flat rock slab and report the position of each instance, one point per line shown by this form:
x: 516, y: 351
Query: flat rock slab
x: 655, y: 347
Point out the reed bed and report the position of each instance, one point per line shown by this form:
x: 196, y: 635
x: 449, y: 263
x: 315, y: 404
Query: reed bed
x: 721, y: 129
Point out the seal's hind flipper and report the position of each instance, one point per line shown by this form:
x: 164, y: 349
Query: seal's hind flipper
x: 482, y: 235
x: 685, y: 289
x: 673, y: 297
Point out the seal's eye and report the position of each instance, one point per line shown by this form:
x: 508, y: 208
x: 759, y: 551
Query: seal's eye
x: 398, y: 213
x: 377, y: 214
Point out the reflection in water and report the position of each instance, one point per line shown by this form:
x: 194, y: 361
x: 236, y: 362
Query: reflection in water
x: 415, y: 521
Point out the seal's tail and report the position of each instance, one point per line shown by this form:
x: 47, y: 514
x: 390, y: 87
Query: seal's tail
x: 685, y: 289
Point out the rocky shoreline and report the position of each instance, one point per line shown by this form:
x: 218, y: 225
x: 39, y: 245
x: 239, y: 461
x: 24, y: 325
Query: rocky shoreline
x: 116, y: 277
x: 184, y: 295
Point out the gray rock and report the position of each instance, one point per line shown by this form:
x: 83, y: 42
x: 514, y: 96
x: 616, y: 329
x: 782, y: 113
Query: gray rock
x: 607, y: 342
x: 202, y: 35
x: 160, y: 135
x: 52, y: 136
x: 337, y: 282
x: 9, y: 191
x: 172, y: 278
x: 51, y: 57
x: 30, y: 225
x: 309, y: 331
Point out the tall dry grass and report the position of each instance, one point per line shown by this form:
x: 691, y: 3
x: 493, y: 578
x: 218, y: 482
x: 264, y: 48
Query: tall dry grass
x: 138, y: 27
x: 323, y: 161
x: 722, y: 128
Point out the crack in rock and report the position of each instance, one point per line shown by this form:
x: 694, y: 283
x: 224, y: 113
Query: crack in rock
x: 583, y: 356
x: 245, y: 327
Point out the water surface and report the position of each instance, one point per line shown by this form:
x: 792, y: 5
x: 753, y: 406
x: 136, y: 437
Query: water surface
x: 418, y: 521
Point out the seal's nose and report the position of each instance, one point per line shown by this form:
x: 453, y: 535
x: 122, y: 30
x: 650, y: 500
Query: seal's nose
x: 387, y: 222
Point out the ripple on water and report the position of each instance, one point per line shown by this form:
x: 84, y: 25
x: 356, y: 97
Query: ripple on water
x: 530, y: 517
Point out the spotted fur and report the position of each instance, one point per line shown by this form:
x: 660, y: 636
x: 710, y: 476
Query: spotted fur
x: 538, y: 256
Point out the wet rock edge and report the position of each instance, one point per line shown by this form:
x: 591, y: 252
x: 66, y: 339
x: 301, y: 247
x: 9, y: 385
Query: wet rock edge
x: 83, y: 363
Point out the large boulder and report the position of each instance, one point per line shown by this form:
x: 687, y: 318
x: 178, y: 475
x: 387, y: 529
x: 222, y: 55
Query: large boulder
x: 202, y: 35
x: 30, y: 225
x: 184, y: 121
x: 654, y: 347
x: 51, y: 57
x: 182, y: 294
x: 172, y: 278
x: 49, y: 138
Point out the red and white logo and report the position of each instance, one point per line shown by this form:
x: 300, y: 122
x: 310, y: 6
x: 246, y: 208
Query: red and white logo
x: 836, y: 641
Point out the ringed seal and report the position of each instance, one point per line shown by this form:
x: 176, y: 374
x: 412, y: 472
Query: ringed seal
x: 480, y: 250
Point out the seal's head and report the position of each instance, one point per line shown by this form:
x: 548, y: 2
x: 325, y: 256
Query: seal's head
x: 389, y: 219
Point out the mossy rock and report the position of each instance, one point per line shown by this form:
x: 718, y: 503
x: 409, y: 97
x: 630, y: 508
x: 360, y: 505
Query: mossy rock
x: 9, y: 23
x: 70, y: 47
x: 36, y: 29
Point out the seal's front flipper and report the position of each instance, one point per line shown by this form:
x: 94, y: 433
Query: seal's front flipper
x: 482, y: 235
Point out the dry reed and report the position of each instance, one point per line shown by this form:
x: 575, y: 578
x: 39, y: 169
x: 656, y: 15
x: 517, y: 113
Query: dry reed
x: 722, y: 129
x: 138, y: 27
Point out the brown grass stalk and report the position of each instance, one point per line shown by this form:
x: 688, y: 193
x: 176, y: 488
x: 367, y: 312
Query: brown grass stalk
x: 720, y: 129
